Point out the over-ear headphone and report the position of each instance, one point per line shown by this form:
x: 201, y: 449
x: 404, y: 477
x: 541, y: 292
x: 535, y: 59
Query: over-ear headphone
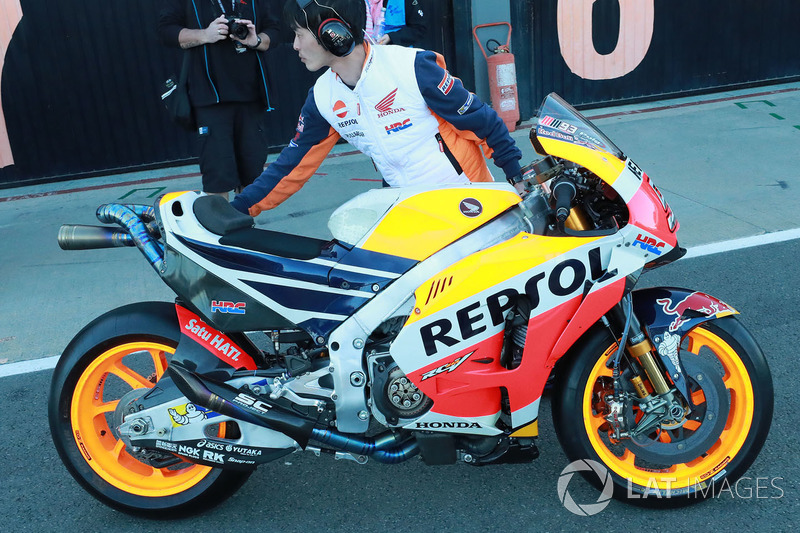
x: 333, y: 34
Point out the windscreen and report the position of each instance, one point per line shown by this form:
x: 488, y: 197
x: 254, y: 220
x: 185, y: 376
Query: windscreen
x: 560, y: 121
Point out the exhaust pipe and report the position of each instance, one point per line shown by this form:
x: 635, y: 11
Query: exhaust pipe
x: 80, y: 237
x: 128, y: 219
x: 219, y: 397
x: 374, y: 448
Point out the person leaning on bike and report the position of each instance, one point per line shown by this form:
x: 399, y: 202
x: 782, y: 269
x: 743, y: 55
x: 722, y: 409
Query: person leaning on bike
x: 398, y: 105
x: 228, y: 86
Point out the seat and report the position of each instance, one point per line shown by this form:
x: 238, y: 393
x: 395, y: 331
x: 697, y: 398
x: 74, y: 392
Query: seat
x: 218, y: 216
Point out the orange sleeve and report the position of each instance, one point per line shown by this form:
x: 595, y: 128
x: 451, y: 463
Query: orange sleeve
x: 294, y: 180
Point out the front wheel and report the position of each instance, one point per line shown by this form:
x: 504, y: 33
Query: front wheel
x: 116, y: 358
x: 683, y: 459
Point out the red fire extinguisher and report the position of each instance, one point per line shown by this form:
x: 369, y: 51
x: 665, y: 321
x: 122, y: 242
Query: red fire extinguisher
x: 502, y: 77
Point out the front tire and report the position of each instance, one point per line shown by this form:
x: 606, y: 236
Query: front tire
x: 117, y: 354
x: 723, y: 347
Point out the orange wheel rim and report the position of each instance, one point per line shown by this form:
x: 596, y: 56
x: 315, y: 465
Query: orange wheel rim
x: 101, y: 450
x: 740, y: 418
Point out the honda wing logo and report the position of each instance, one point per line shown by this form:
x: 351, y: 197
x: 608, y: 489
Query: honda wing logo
x: 387, y: 103
x: 470, y: 207
x: 386, y: 106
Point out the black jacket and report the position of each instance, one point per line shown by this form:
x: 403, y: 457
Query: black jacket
x: 413, y: 33
x: 217, y: 73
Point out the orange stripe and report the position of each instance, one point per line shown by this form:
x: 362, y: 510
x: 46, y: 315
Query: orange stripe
x: 466, y: 148
x: 294, y: 180
x: 468, y: 154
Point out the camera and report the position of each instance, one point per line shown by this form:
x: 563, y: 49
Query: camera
x: 237, y: 29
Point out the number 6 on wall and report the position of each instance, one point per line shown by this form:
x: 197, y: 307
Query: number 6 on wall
x: 577, y: 48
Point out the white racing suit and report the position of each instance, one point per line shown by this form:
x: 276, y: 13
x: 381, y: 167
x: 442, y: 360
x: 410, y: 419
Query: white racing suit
x: 416, y: 121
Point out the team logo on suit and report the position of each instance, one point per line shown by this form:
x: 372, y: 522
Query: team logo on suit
x: 385, y: 106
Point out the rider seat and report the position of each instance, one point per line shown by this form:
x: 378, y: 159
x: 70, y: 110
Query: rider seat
x: 218, y: 216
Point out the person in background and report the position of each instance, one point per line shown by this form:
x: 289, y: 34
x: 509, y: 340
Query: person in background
x: 228, y: 87
x: 399, y: 22
x: 398, y: 105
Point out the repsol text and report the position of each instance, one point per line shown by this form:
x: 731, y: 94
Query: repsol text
x: 563, y: 279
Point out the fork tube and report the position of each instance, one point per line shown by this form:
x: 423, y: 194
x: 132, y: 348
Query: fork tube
x: 641, y: 349
x: 577, y: 220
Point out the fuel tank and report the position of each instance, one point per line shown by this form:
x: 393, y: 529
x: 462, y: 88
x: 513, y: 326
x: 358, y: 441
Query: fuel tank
x: 416, y: 222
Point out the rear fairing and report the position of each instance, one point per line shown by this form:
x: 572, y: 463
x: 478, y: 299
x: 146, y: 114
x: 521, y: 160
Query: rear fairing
x: 235, y: 289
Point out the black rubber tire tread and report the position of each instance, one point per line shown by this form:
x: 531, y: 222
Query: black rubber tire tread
x: 144, y: 321
x: 574, y: 369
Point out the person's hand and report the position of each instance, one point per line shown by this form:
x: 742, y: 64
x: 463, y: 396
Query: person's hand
x: 385, y: 39
x: 252, y: 38
x: 217, y: 30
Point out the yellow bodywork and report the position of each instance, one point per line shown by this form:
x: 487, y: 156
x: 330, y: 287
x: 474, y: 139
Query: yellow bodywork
x: 425, y: 223
x: 171, y: 196
x: 485, y: 269
x: 529, y: 430
x: 605, y: 165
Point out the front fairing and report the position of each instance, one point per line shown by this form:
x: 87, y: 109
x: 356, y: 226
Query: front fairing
x: 561, y: 131
x: 564, y: 133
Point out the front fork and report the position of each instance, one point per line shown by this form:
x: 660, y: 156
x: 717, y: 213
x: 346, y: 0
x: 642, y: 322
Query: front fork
x: 657, y: 406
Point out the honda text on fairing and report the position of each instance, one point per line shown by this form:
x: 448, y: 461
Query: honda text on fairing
x: 429, y: 325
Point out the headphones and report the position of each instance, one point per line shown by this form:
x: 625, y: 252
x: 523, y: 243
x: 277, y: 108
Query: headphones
x: 333, y: 34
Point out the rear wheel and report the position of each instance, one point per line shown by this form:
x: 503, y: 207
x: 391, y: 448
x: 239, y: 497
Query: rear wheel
x: 690, y: 456
x: 112, y: 361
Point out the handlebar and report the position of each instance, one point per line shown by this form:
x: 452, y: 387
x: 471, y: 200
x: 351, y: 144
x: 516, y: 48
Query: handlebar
x: 564, y: 193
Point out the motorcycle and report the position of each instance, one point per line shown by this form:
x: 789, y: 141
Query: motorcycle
x: 429, y: 325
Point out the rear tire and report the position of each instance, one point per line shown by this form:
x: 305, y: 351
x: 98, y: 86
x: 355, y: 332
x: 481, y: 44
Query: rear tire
x: 88, y: 381
x: 582, y: 429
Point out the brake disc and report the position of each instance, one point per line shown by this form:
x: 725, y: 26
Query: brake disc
x: 712, y: 414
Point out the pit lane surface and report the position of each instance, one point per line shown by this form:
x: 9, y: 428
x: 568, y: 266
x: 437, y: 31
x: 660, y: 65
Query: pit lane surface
x: 304, y: 493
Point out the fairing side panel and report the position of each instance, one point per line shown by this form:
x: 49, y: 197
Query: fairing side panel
x: 450, y: 346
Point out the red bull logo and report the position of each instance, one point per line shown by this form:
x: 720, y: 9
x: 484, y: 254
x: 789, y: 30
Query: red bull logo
x: 697, y: 301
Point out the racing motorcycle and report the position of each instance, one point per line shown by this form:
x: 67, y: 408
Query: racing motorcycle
x: 429, y: 325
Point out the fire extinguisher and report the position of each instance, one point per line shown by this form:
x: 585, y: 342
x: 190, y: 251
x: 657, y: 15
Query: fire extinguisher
x: 502, y: 77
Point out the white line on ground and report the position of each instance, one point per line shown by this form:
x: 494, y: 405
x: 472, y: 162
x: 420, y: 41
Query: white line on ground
x: 46, y: 363
x: 25, y: 367
x: 744, y: 242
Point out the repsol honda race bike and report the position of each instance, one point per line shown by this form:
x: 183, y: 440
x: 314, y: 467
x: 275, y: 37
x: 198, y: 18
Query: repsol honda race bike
x: 428, y: 326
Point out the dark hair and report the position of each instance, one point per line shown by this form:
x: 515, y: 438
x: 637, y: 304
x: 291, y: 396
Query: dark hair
x: 353, y: 12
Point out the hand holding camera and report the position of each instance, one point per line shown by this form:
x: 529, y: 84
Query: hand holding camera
x: 239, y: 30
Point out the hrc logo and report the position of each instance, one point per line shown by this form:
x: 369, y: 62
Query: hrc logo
x: 649, y: 244
x: 237, y: 308
x: 397, y: 126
